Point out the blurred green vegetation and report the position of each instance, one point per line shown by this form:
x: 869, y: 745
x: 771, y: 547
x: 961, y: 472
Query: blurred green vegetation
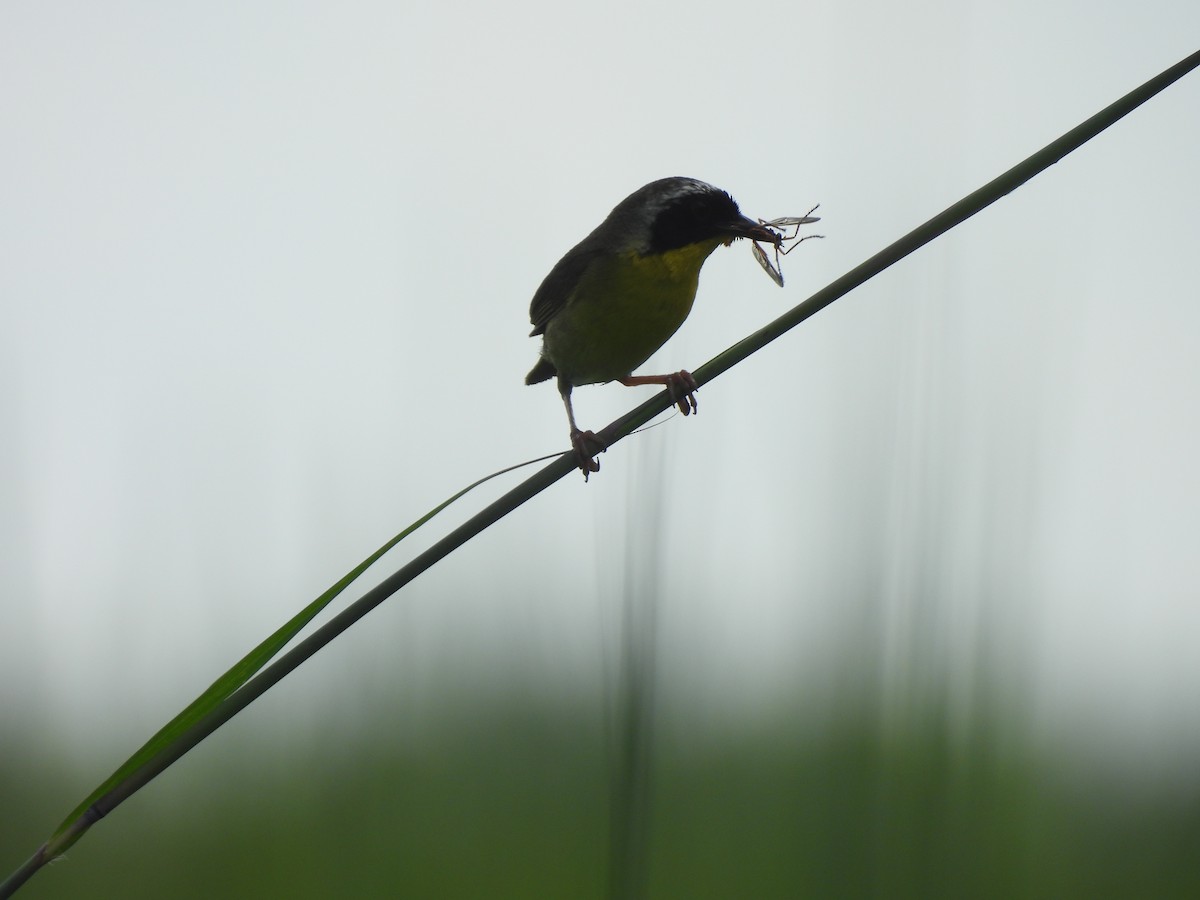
x: 514, y: 802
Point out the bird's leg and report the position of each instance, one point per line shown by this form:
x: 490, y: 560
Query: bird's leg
x: 681, y: 385
x: 583, y: 442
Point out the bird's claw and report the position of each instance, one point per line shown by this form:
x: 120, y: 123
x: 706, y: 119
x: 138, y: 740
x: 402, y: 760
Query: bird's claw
x: 681, y: 386
x: 586, y: 446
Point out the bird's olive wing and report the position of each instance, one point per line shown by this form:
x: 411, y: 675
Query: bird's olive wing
x: 557, y: 287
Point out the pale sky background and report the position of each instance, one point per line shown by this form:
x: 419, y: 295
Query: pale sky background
x: 264, y: 282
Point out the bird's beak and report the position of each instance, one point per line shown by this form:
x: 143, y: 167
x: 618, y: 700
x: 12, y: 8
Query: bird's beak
x: 748, y: 228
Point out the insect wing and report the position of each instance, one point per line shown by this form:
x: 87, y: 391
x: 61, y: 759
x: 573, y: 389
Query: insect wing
x: 792, y: 221
x: 765, y: 262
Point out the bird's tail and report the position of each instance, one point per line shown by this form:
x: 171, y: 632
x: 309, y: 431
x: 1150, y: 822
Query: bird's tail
x: 543, y: 371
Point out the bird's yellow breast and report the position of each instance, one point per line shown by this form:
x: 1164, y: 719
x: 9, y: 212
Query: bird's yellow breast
x: 623, y: 309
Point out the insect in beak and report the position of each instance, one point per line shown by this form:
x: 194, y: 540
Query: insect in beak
x: 785, y: 230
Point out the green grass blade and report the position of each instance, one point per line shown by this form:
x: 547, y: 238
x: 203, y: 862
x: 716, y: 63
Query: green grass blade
x: 166, y: 739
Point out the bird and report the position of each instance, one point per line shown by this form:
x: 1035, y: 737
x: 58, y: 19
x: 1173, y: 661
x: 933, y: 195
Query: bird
x: 620, y: 293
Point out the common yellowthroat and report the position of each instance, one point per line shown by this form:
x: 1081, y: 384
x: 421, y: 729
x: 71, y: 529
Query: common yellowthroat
x: 621, y: 292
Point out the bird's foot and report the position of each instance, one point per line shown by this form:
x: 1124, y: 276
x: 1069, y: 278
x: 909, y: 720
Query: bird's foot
x: 681, y: 385
x: 586, y: 446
